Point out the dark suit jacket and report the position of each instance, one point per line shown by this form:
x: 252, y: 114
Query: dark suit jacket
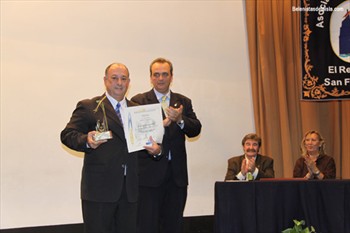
x: 103, y: 172
x: 263, y: 163
x: 152, y: 172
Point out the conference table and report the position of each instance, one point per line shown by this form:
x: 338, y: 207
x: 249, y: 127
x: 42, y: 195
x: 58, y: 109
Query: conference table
x: 271, y: 205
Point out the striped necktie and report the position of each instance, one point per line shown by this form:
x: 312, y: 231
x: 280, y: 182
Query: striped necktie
x: 117, y: 110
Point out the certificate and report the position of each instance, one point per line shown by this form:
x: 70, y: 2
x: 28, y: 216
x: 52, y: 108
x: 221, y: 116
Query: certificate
x: 142, y: 122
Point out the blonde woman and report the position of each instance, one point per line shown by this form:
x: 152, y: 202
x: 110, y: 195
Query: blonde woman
x: 314, y: 163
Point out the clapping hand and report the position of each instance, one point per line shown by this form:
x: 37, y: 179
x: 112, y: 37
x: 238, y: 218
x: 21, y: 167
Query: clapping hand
x: 311, y: 164
x: 175, y: 114
x: 166, y: 122
x: 248, y: 165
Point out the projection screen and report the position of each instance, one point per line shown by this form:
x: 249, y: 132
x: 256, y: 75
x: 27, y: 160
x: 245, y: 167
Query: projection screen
x: 53, y: 54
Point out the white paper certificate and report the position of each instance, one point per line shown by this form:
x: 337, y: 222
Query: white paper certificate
x: 142, y: 122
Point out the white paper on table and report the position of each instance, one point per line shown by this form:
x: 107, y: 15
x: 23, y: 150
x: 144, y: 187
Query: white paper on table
x: 142, y: 122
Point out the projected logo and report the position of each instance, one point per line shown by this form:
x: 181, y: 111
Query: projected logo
x: 326, y: 49
x: 340, y: 31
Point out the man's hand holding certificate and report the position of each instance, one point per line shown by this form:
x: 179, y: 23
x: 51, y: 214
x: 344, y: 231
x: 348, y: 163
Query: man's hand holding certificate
x: 143, y: 122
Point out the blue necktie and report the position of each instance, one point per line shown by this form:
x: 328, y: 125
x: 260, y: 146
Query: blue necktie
x: 117, y: 110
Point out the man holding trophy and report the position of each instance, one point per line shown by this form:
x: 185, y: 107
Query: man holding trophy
x: 109, y: 185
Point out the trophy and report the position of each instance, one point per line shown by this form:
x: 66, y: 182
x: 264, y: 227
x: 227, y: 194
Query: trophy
x: 102, y: 126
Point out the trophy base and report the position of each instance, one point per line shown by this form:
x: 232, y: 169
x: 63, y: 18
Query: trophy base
x: 103, y: 136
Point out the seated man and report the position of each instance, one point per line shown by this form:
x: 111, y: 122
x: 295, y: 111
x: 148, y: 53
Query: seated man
x: 251, y: 165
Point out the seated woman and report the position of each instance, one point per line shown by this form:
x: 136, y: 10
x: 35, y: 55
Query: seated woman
x: 314, y: 163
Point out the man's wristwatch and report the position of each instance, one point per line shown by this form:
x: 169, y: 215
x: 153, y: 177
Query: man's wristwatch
x: 157, y: 155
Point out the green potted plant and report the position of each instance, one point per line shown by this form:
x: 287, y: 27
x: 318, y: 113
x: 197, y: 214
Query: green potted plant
x: 298, y: 228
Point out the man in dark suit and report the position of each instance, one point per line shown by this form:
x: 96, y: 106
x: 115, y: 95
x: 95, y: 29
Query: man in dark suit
x: 251, y: 165
x: 109, y: 185
x: 164, y: 178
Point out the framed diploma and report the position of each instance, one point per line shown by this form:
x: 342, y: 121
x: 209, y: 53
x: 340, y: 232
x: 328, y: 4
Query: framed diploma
x: 142, y: 122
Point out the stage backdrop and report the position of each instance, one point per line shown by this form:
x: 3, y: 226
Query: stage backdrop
x: 53, y: 54
x: 325, y: 38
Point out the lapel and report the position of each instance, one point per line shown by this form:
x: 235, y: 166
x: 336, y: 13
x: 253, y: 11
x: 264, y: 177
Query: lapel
x: 113, y: 121
x: 173, y: 99
x: 152, y: 99
x: 176, y: 100
x: 258, y: 161
x: 241, y: 160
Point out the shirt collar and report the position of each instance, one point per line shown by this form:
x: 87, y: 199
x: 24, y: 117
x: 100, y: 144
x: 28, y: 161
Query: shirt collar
x: 247, y: 156
x: 160, y: 95
x: 114, y: 102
